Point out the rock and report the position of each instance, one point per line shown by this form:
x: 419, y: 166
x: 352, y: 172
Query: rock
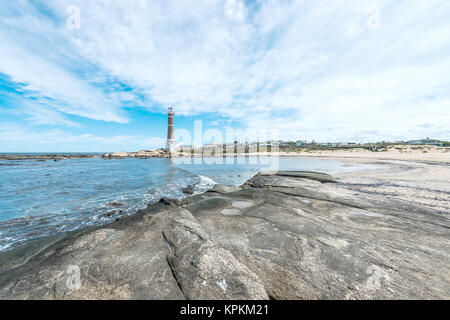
x: 188, y: 190
x: 122, y: 155
x: 115, y: 204
x: 280, y: 237
x: 223, y: 189
x: 45, y: 157
x: 322, y: 177
x: 110, y: 213
x: 170, y: 201
x: 142, y: 154
x: 204, y: 269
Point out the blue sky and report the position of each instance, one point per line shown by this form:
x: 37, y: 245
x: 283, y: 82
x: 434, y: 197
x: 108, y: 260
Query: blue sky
x: 330, y: 70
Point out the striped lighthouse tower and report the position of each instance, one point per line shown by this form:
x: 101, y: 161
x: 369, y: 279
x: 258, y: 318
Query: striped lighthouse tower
x: 170, y: 142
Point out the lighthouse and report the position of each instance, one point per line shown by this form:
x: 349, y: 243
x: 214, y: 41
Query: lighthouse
x: 170, y: 145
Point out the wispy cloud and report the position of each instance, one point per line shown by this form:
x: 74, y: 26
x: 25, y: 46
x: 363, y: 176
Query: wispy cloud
x: 329, y: 70
x: 45, y: 115
x: 38, y: 56
x: 17, y: 138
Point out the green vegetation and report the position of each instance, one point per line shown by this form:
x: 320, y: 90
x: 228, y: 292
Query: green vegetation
x: 381, y: 146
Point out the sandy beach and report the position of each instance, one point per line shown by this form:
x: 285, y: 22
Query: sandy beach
x: 404, y: 173
x: 397, y: 152
x: 424, y: 183
x: 415, y: 174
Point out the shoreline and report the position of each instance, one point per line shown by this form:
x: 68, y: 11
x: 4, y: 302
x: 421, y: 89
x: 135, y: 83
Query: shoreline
x: 416, y: 181
x: 22, y: 227
x: 428, y: 154
x: 419, y: 182
x: 68, y: 156
x: 391, y: 221
x: 280, y: 236
x: 427, y: 183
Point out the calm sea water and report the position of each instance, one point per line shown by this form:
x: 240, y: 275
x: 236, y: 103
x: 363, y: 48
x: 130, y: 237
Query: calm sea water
x: 40, y: 198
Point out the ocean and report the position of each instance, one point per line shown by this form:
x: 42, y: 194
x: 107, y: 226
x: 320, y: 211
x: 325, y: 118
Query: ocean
x: 41, y: 198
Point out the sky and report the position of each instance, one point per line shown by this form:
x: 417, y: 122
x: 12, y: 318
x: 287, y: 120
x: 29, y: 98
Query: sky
x: 98, y: 76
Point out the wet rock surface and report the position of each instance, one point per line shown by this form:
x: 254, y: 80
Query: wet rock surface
x: 281, y: 236
x: 188, y: 189
x: 223, y: 189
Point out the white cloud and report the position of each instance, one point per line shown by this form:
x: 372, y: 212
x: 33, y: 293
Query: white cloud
x: 36, y: 55
x: 325, y: 69
x: 44, y: 115
x: 234, y: 10
x: 17, y: 138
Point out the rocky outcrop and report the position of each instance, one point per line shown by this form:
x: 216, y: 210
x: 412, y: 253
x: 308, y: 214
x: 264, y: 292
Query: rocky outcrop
x: 45, y: 157
x: 160, y: 153
x: 281, y: 236
x: 188, y: 189
x: 223, y: 189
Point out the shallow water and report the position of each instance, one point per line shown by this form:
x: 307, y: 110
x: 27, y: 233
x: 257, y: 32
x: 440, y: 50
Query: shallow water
x: 40, y: 198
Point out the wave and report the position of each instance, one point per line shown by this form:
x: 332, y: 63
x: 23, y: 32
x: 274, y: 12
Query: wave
x: 206, y: 181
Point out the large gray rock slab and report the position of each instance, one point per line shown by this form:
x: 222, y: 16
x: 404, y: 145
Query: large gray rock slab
x: 204, y: 269
x: 223, y: 189
x: 282, y: 236
x: 319, y: 176
x: 113, y: 263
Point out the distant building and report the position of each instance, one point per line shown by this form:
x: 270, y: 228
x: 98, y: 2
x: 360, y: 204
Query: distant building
x: 300, y: 143
x: 427, y: 142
